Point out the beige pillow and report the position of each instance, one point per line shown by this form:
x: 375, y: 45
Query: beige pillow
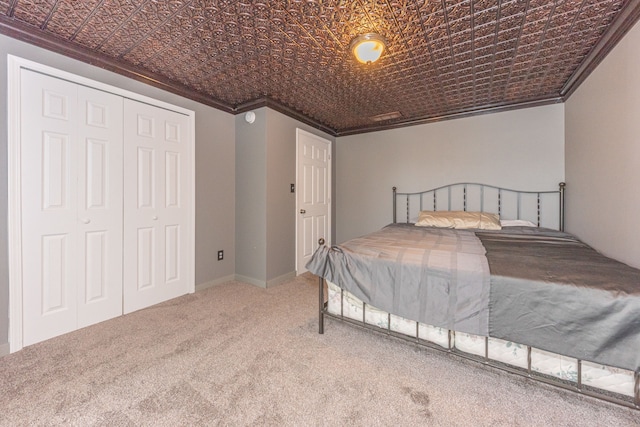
x: 459, y: 220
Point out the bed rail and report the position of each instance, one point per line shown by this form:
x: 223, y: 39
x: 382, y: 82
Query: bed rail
x: 541, y: 207
x: 527, y: 372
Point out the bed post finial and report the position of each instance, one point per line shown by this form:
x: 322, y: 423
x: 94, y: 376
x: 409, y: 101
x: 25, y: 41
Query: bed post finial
x: 394, y: 204
x: 562, y: 186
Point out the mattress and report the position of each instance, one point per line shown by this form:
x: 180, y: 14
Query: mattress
x: 539, y: 287
x: 615, y: 380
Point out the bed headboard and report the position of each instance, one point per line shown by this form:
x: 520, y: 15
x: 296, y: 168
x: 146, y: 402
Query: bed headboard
x: 544, y: 208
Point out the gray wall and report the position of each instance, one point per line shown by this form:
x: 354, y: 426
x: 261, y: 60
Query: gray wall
x: 522, y: 149
x: 603, y: 154
x: 251, y: 198
x: 281, y: 203
x: 215, y: 169
x: 265, y: 207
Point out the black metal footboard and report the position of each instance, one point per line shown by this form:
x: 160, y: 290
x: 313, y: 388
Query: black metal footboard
x: 528, y: 372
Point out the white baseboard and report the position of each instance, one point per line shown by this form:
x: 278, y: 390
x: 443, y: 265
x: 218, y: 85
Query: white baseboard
x: 216, y: 282
x: 4, y: 349
x: 251, y: 281
x: 281, y: 279
x: 266, y: 284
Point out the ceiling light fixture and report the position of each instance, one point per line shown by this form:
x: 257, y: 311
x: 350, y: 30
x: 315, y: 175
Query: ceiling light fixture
x: 368, y: 48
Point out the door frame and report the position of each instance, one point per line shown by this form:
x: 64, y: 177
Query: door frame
x: 328, y: 239
x: 14, y: 223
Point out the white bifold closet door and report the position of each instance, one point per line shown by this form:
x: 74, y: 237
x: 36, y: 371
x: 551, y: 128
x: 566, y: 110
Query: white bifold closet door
x: 71, y: 200
x: 155, y: 205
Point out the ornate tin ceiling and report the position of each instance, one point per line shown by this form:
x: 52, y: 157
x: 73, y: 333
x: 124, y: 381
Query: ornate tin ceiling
x: 444, y: 58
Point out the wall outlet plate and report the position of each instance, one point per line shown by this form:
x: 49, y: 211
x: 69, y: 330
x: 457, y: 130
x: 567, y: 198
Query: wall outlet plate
x: 220, y: 255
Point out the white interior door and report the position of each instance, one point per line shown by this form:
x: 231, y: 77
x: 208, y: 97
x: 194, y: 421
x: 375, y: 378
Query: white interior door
x: 99, y: 205
x: 313, y: 195
x: 70, y: 165
x: 156, y: 205
x: 49, y: 205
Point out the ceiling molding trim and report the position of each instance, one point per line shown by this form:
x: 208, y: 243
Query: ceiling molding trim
x: 626, y: 18
x: 452, y: 116
x: 32, y: 35
x: 250, y: 105
x: 287, y: 111
x: 37, y: 37
x: 623, y: 23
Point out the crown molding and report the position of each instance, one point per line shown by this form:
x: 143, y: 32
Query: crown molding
x: 33, y: 35
x: 623, y: 23
x: 497, y: 108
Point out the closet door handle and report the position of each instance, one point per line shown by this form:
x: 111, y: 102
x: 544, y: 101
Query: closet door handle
x: 155, y: 218
x: 86, y: 220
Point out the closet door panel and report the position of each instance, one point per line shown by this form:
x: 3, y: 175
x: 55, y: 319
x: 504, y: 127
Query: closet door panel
x: 100, y: 215
x: 175, y: 200
x: 48, y: 161
x: 155, y: 205
x: 71, y: 175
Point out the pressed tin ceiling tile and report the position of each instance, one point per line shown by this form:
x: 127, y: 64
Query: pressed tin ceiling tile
x: 444, y: 58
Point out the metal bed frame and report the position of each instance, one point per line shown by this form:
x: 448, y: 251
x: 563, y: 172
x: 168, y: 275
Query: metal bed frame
x: 576, y: 386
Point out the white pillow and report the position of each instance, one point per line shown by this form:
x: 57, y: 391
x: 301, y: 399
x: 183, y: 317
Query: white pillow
x: 459, y: 220
x: 516, y: 223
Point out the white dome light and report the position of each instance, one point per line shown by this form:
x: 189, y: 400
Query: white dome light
x: 368, y: 48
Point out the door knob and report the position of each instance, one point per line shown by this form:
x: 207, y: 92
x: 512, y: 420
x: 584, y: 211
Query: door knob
x: 155, y: 218
x: 302, y: 211
x: 86, y: 220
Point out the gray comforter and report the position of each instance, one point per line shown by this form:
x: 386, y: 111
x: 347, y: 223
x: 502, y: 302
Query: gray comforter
x: 443, y: 273
x: 532, y: 286
x: 553, y: 292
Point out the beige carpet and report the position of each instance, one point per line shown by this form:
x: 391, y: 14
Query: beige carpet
x: 240, y: 355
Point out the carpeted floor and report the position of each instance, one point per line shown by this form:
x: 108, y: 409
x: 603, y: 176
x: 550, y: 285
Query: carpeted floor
x: 236, y: 354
